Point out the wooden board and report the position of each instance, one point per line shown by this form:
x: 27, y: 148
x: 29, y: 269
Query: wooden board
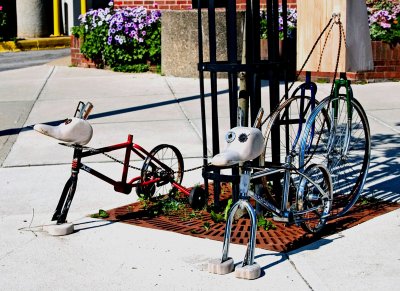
x: 313, y: 16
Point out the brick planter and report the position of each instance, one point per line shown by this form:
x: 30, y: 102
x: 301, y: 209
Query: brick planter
x: 386, y: 59
x: 77, y: 58
x: 386, y: 62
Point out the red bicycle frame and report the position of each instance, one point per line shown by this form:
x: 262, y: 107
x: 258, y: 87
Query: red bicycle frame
x: 122, y: 186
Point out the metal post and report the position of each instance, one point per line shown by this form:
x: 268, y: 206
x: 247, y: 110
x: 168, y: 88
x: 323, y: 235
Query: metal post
x: 56, y: 17
x: 83, y: 7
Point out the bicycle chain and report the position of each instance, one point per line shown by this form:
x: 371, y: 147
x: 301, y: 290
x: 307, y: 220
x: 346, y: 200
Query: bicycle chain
x: 301, y: 69
x: 121, y: 162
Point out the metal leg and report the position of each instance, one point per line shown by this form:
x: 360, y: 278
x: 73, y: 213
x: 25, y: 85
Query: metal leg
x: 69, y: 192
x: 249, y: 269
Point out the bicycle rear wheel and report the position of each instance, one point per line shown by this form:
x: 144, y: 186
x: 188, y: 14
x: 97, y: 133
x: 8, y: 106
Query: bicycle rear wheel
x: 344, y: 146
x: 315, y: 203
x: 165, y: 163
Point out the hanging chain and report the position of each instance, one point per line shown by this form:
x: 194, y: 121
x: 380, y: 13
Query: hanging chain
x: 301, y: 69
x: 335, y: 18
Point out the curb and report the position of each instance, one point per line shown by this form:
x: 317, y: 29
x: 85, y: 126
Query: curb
x: 36, y: 44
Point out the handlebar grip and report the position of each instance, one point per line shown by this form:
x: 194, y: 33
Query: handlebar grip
x: 86, y: 111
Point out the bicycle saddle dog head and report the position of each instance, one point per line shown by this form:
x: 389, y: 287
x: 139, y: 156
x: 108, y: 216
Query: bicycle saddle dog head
x: 243, y: 144
x: 72, y: 130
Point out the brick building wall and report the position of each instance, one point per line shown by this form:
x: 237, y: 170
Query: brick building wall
x: 386, y: 58
x: 178, y: 4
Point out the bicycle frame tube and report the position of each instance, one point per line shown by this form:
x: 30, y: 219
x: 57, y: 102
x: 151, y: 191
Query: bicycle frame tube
x: 140, y: 152
x: 312, y: 87
x: 267, y: 172
x: 122, y: 186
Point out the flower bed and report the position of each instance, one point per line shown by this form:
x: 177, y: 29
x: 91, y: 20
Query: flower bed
x: 384, y: 20
x: 125, y: 39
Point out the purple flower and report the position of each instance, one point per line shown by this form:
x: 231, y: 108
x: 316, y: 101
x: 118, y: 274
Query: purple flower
x: 124, y: 24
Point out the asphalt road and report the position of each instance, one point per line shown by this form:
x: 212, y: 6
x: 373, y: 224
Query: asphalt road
x: 17, y: 60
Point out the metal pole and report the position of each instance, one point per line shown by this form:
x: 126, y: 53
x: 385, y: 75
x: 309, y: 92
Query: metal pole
x: 83, y: 7
x: 56, y: 17
x: 202, y: 101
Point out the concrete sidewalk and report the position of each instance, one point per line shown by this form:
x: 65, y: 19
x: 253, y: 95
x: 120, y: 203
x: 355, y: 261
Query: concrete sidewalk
x: 115, y: 256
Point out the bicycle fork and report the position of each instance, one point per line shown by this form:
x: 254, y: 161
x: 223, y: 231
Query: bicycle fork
x: 344, y: 142
x: 64, y: 203
x: 249, y: 269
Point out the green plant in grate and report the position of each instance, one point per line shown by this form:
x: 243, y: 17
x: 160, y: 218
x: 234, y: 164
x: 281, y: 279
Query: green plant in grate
x: 101, y: 214
x: 265, y: 223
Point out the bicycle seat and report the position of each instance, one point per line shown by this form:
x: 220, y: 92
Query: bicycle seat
x: 72, y: 130
x: 243, y: 144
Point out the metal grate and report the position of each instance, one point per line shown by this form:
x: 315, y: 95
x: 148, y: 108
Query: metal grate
x: 282, y: 239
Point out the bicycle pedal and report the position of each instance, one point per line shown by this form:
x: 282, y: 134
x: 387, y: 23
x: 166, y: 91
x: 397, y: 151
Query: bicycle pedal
x: 287, y: 218
x: 313, y: 197
x: 280, y: 218
x: 123, y: 187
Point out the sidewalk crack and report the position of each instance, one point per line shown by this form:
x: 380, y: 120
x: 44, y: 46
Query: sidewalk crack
x: 297, y: 271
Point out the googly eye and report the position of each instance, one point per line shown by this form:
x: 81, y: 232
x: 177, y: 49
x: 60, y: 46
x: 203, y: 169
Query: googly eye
x: 243, y: 137
x: 230, y: 136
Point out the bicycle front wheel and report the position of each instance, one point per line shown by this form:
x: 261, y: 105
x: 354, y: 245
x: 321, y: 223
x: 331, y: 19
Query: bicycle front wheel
x: 344, y: 146
x: 165, y: 166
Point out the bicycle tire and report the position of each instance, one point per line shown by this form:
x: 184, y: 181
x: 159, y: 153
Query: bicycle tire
x: 288, y: 110
x: 289, y: 123
x: 345, y: 153
x: 172, y: 170
x: 310, y: 199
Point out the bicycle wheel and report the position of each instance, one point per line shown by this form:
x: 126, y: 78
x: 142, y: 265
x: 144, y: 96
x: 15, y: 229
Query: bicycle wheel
x: 314, y: 198
x: 344, y: 147
x: 165, y: 163
x: 286, y: 124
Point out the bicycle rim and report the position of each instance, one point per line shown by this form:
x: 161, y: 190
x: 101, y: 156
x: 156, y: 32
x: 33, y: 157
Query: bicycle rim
x: 172, y: 159
x: 346, y: 153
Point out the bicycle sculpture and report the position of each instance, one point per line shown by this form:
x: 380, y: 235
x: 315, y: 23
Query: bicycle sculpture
x: 325, y: 153
x: 161, y: 173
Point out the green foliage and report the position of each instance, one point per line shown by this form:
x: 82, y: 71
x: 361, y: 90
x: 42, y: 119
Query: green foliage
x: 161, y: 205
x: 227, y: 208
x: 216, y: 217
x: 3, y: 20
x: 135, y: 68
x: 126, y: 39
x: 265, y: 223
x: 101, y: 214
x: 206, y: 225
x: 291, y: 23
x: 384, y: 20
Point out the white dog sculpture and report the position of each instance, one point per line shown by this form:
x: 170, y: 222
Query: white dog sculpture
x: 73, y: 130
x: 243, y: 144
